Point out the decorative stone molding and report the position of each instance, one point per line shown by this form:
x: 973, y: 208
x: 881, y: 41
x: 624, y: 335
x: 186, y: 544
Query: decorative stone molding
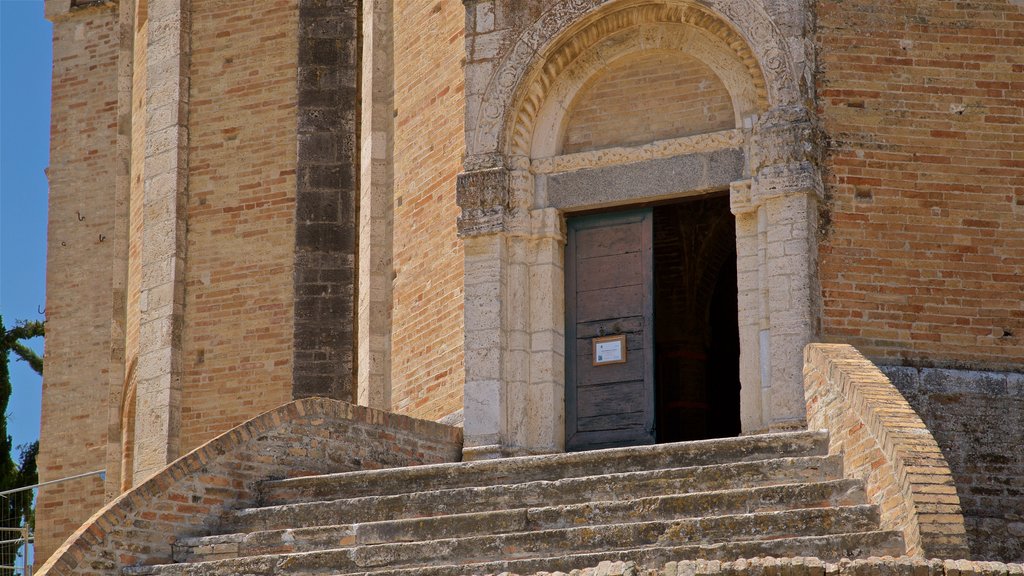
x: 626, y: 155
x: 885, y: 443
x: 786, y: 135
x: 483, y: 196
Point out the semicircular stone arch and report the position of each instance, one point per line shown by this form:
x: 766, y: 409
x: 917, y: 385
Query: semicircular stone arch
x: 522, y: 82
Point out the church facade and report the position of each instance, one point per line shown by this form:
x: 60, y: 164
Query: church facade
x: 561, y: 224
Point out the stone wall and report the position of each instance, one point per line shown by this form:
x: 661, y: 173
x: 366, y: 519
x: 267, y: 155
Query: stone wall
x: 326, y: 207
x: 429, y: 52
x: 79, y: 304
x: 922, y: 257
x: 978, y: 420
x: 885, y: 444
x: 312, y: 436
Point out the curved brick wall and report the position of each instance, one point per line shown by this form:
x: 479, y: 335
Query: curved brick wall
x: 312, y: 436
x: 885, y: 443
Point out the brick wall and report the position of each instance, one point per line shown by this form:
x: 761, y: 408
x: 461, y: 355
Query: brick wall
x: 646, y: 98
x: 186, y: 498
x: 924, y: 105
x: 977, y: 418
x: 82, y: 177
x: 237, y: 350
x: 427, y: 368
x: 885, y: 444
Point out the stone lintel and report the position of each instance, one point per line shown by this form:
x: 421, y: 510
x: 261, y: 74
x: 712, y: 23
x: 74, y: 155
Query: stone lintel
x: 648, y: 180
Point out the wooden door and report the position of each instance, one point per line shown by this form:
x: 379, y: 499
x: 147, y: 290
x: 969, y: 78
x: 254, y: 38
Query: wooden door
x: 609, y: 292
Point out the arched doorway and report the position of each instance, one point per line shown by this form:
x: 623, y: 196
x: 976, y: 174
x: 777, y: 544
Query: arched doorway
x: 708, y: 104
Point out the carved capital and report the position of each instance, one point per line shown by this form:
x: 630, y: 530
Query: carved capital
x: 786, y: 135
x: 483, y: 196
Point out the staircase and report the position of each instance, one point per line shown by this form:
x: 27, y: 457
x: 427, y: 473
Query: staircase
x: 772, y: 495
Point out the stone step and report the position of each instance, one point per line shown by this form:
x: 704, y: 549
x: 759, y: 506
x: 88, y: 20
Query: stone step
x: 538, y: 493
x: 352, y: 562
x: 838, y: 493
x: 609, y: 487
x: 547, y: 467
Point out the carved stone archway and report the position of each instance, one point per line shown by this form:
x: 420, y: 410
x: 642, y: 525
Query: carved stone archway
x: 516, y: 188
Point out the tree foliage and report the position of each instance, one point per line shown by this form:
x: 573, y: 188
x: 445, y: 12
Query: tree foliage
x: 16, y: 510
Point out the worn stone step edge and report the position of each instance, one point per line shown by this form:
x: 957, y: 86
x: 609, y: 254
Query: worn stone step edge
x: 610, y: 487
x: 551, y: 466
x: 323, y: 563
x: 836, y: 493
x: 805, y: 522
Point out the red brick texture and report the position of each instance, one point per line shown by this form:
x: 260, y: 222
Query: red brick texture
x: 241, y: 215
x: 923, y: 103
x: 427, y: 372
x: 312, y: 436
x: 885, y: 443
x: 651, y: 97
x: 79, y: 303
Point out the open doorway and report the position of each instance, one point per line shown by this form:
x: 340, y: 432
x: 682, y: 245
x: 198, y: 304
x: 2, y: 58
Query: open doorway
x: 696, y: 332
x: 655, y: 291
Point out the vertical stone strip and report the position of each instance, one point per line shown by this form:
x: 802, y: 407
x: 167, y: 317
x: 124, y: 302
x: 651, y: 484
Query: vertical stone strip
x: 163, y: 237
x: 786, y: 188
x: 119, y: 243
x: 376, y: 206
x: 748, y: 269
x: 326, y: 211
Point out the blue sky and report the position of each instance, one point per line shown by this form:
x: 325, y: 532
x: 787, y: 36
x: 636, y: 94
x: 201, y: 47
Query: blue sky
x: 25, y: 64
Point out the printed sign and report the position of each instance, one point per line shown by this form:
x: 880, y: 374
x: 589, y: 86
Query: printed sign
x: 610, y: 350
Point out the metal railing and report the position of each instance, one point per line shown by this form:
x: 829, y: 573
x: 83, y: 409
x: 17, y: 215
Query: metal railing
x: 17, y: 525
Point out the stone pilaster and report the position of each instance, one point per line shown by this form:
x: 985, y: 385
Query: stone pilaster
x: 786, y: 189
x: 165, y: 192
x: 376, y: 207
x: 514, y: 316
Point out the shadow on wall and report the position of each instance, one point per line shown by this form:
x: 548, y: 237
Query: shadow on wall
x: 978, y: 420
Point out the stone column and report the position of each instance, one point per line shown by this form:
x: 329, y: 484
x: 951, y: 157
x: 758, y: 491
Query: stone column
x: 786, y: 189
x: 376, y: 207
x: 165, y: 190
x: 483, y: 196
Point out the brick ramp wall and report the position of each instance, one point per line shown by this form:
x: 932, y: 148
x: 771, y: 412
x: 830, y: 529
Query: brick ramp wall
x: 885, y: 443
x: 311, y: 436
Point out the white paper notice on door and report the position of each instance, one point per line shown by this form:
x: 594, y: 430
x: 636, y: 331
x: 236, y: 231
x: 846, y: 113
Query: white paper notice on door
x: 610, y: 350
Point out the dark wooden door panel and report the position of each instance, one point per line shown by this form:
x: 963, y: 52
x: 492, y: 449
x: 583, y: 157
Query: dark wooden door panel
x: 614, y: 398
x: 612, y: 270
x: 609, y: 239
x: 609, y: 292
x: 610, y: 303
x: 631, y: 421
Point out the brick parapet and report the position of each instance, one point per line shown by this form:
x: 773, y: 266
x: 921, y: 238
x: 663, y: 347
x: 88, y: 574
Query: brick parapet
x: 310, y: 436
x: 886, y: 444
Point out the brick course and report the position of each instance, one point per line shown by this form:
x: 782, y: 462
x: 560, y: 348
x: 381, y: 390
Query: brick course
x: 82, y: 177
x: 241, y: 215
x: 427, y: 354
x: 924, y: 105
x: 651, y: 97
